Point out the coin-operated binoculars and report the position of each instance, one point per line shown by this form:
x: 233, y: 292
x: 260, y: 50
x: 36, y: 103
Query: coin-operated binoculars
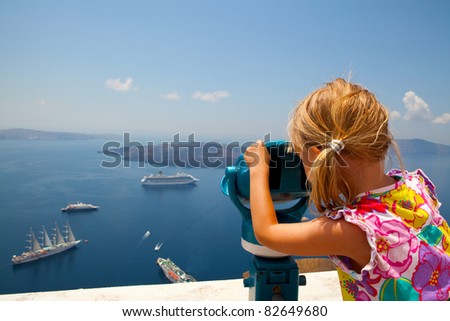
x: 273, y: 275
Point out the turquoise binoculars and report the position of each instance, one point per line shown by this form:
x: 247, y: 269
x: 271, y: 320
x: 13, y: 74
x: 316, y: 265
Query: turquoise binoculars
x: 287, y: 183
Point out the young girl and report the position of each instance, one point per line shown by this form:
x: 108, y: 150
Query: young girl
x: 383, y: 231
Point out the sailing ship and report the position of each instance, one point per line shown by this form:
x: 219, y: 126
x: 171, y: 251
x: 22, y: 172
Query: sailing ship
x: 173, y: 272
x: 49, y: 246
x: 161, y: 179
x: 79, y: 206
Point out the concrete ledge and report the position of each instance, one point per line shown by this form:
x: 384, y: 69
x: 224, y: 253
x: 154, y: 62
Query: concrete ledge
x: 320, y: 286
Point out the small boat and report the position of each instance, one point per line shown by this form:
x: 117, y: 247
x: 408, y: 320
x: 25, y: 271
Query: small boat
x: 79, y: 206
x: 146, y: 235
x: 36, y: 250
x: 158, y: 245
x: 173, y: 272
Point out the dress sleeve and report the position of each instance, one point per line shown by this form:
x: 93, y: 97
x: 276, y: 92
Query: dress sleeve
x: 428, y: 183
x: 344, y: 263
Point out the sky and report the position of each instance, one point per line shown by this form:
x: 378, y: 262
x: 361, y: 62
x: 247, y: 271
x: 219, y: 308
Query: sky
x: 225, y: 70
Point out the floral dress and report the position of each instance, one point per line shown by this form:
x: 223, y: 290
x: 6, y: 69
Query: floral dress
x: 409, y: 240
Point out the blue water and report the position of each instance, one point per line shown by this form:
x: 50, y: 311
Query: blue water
x: 198, y: 224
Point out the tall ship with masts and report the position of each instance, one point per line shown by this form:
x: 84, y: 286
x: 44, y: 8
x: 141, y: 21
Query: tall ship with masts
x: 48, y: 246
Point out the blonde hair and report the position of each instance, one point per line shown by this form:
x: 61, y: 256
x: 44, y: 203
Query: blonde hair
x: 339, y: 119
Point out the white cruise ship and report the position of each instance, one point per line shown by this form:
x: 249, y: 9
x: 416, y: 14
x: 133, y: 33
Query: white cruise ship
x: 167, y: 180
x: 79, y: 206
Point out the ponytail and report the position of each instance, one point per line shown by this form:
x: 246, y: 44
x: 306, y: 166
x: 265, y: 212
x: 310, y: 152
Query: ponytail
x: 330, y: 186
x: 344, y: 121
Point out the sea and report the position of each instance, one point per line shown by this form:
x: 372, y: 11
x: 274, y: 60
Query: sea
x: 200, y: 227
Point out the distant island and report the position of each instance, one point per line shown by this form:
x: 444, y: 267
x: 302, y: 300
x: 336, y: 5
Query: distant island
x: 420, y: 146
x: 407, y: 146
x: 31, y: 134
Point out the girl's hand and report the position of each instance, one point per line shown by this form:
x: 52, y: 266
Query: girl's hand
x: 257, y: 158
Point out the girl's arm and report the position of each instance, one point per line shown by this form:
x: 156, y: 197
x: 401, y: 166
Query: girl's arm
x: 321, y: 236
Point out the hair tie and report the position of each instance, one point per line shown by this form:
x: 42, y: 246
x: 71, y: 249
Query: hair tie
x: 336, y: 145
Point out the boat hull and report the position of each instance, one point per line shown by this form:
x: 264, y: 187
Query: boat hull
x: 168, y: 183
x: 79, y: 209
x: 47, y: 251
x: 173, y: 272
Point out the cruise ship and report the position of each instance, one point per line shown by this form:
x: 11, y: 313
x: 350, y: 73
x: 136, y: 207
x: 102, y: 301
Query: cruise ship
x: 79, y: 206
x: 48, y: 247
x: 168, y: 180
x: 173, y: 272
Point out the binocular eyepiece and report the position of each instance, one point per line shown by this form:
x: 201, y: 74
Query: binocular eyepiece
x: 287, y: 183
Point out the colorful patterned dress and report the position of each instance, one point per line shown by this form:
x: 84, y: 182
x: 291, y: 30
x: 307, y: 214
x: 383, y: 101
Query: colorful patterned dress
x: 409, y: 240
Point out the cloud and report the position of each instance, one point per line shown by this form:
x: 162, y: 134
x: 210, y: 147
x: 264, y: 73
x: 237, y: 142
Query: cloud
x: 171, y: 96
x: 394, y: 115
x: 117, y: 85
x: 211, y: 97
x: 43, y: 102
x: 443, y: 119
x: 416, y: 107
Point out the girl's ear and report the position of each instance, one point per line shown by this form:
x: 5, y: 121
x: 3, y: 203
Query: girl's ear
x: 308, y: 157
x: 315, y: 151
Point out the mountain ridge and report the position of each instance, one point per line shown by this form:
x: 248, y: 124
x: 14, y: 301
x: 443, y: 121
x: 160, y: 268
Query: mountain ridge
x: 406, y: 146
x: 421, y: 146
x: 34, y: 134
